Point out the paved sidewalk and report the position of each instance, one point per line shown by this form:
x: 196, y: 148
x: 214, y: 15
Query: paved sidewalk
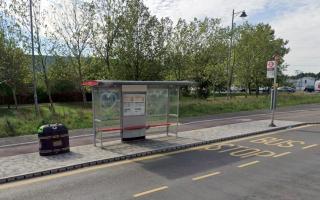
x: 32, y: 165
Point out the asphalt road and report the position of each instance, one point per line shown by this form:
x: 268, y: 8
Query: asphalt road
x: 279, y: 165
x: 302, y: 113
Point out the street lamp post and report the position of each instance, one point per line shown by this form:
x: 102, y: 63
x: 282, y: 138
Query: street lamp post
x: 34, y: 78
x: 230, y: 67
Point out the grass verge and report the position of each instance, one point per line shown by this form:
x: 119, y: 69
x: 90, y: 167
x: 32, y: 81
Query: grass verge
x: 191, y: 107
x: 78, y: 115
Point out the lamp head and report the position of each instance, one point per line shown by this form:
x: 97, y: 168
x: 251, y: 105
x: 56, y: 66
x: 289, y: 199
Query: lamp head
x: 243, y: 14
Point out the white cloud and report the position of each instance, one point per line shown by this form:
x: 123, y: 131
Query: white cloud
x: 302, y: 29
x: 297, y: 21
x: 188, y: 9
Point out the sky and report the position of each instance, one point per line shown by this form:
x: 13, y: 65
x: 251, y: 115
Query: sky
x: 295, y: 20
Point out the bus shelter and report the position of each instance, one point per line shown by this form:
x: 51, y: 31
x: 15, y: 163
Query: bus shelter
x: 132, y: 109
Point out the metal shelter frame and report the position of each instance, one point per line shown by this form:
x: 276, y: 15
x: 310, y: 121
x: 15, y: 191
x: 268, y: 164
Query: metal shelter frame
x: 109, y: 109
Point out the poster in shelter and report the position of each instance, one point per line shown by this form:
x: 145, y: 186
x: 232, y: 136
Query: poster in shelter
x: 134, y: 104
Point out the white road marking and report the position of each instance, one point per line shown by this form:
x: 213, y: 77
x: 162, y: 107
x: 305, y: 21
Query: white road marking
x: 248, y: 164
x: 205, y: 176
x: 281, y: 154
x: 150, y: 191
x: 310, y: 146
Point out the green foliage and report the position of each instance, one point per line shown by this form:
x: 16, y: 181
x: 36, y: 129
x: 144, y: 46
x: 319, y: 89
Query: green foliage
x: 121, y: 39
x: 141, y: 46
x: 13, y: 66
x: 61, y: 74
x: 254, y: 48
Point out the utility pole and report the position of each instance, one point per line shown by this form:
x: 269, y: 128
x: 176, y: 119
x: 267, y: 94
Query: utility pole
x: 34, y: 77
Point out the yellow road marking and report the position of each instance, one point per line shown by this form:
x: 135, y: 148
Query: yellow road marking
x: 241, y: 139
x: 205, y: 176
x: 281, y: 154
x: 248, y: 164
x: 310, y: 146
x: 107, y: 165
x: 150, y: 191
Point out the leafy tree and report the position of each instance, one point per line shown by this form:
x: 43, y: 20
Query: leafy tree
x: 73, y: 25
x: 62, y: 75
x: 217, y: 76
x: 178, y: 53
x: 207, y: 54
x: 140, y: 47
x: 20, y: 10
x: 121, y: 39
x: 256, y: 46
x: 318, y: 76
x: 13, y: 70
x: 108, y: 16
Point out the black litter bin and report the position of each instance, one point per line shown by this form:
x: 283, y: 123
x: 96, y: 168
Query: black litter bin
x: 53, y: 139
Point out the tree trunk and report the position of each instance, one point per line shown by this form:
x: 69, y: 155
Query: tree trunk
x: 108, y: 62
x: 44, y: 69
x: 137, y: 69
x: 49, y: 95
x: 214, y: 92
x: 50, y: 100
x: 14, y: 95
x: 46, y: 81
x: 257, y: 90
x: 246, y: 91
x: 83, y: 92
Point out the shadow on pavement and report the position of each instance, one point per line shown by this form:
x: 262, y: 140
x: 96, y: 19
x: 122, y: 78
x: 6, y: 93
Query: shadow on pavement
x: 188, y: 163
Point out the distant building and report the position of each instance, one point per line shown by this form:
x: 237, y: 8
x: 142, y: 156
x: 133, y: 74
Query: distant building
x: 317, y: 86
x: 302, y: 83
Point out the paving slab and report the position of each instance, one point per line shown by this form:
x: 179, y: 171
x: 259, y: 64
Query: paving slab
x: 29, y: 165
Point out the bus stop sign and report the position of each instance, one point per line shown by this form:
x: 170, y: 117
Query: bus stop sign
x: 271, y: 65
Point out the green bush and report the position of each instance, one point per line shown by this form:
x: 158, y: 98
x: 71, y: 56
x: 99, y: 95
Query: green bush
x: 61, y: 86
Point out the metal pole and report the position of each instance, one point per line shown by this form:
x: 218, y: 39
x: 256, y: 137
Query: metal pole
x: 34, y: 78
x: 178, y: 105
x: 121, y: 112
x: 273, y: 96
x: 94, y: 118
x: 167, y: 111
x: 229, y: 57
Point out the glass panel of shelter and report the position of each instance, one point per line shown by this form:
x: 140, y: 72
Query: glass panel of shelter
x: 157, y: 107
x: 173, y: 112
x: 162, y: 111
x: 106, y: 111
